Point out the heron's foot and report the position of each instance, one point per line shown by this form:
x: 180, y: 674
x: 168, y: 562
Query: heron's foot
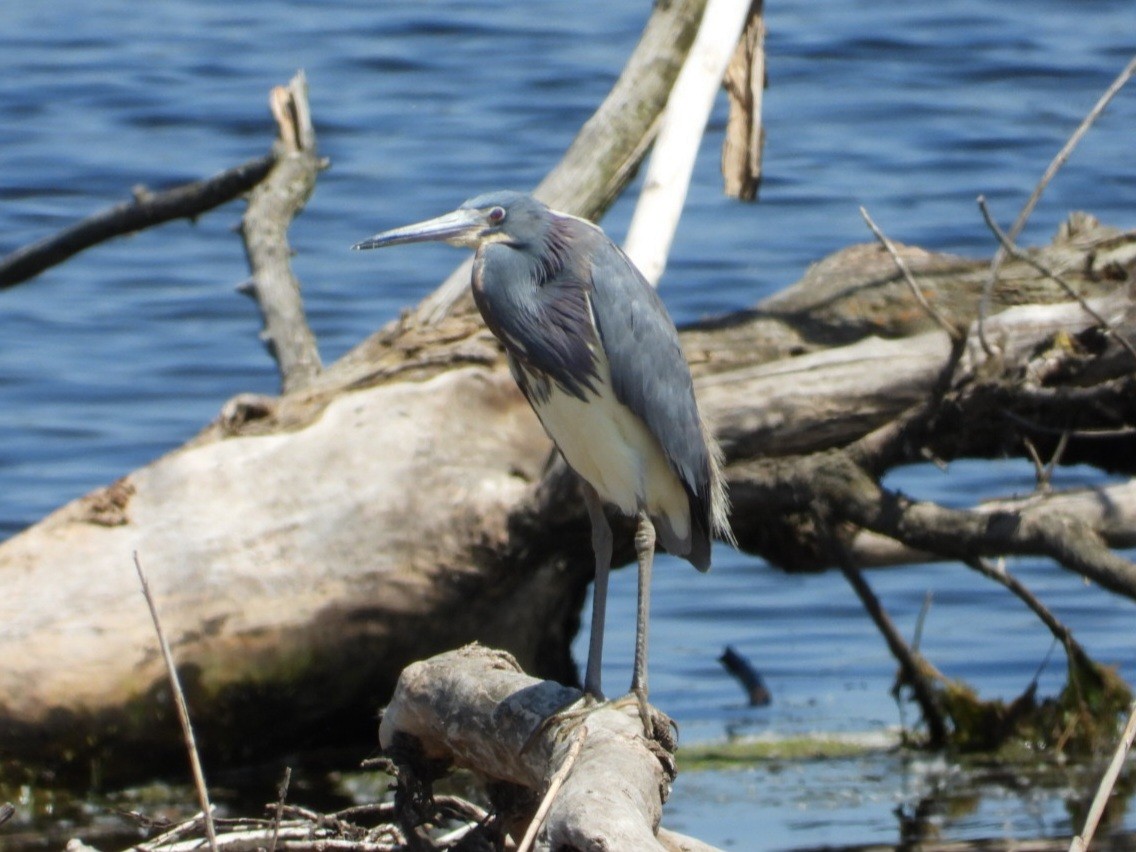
x: 658, y: 727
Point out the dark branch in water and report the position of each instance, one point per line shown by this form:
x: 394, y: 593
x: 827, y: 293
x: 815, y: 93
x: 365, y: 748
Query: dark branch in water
x: 145, y: 210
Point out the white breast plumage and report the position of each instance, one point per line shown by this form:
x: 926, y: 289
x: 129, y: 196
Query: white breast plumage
x: 611, y: 448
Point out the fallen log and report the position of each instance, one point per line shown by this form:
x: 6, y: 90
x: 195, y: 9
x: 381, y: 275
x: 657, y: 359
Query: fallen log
x: 255, y: 630
x: 304, y: 549
x: 474, y: 708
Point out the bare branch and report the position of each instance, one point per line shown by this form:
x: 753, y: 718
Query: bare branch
x: 1007, y: 244
x: 1061, y: 633
x: 281, y: 795
x: 554, y: 785
x: 182, y: 710
x: 745, y: 87
x: 1054, y: 166
x: 901, y: 264
x: 796, y: 485
x: 271, y: 209
x: 914, y: 670
x: 144, y: 210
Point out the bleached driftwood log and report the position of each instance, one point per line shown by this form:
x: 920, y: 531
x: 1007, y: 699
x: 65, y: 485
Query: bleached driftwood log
x: 476, y: 709
x: 305, y: 549
x: 302, y: 602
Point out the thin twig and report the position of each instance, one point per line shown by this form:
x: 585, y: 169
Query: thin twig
x: 281, y: 795
x: 182, y: 710
x: 182, y: 828
x: 1081, y: 842
x: 380, y: 810
x: 1043, y: 471
x: 1080, y: 434
x: 921, y: 621
x: 998, y: 573
x: 1045, y: 481
x: 554, y: 785
x: 1057, y: 162
x: 911, y: 663
x: 448, y: 839
x: 904, y: 270
x: 1012, y: 249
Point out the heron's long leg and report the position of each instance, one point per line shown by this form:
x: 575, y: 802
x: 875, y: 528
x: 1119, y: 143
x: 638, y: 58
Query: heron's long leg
x: 645, y: 551
x: 601, y: 545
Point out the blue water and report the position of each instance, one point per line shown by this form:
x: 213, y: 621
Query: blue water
x: 911, y: 109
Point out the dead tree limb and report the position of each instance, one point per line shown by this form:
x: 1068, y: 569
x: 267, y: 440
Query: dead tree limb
x: 145, y: 210
x: 914, y: 670
x: 476, y: 709
x: 663, y: 196
x: 272, y: 206
x: 606, y: 153
x: 1109, y: 510
x: 745, y: 87
x: 832, y: 479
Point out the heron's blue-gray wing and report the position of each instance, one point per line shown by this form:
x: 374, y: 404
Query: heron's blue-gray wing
x: 542, y: 319
x: 650, y: 376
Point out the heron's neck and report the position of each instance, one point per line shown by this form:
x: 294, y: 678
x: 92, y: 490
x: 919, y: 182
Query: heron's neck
x: 552, y: 254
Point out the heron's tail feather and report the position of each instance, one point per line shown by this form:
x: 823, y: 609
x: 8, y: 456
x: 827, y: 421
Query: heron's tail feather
x: 719, y: 497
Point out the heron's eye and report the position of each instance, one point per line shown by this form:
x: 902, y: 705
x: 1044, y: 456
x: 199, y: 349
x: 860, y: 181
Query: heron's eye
x: 496, y: 216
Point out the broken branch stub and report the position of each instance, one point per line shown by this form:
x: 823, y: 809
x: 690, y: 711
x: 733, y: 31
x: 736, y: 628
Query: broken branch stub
x: 476, y: 708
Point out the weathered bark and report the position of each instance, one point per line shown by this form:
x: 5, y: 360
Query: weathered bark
x: 474, y: 708
x: 272, y: 206
x: 745, y: 86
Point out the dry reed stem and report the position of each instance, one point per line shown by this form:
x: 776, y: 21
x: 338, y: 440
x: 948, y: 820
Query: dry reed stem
x: 182, y: 710
x: 554, y: 785
x: 1054, y: 166
x: 1081, y: 842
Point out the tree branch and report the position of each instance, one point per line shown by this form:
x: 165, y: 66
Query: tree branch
x: 475, y: 708
x: 272, y: 206
x: 663, y: 196
x: 745, y: 87
x: 146, y: 209
x: 853, y: 496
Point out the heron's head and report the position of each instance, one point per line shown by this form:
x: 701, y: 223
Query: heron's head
x: 504, y: 216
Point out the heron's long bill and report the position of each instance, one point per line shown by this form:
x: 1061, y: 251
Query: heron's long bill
x: 457, y: 228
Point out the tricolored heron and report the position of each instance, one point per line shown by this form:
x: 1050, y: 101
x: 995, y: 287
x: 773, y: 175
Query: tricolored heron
x: 597, y: 356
